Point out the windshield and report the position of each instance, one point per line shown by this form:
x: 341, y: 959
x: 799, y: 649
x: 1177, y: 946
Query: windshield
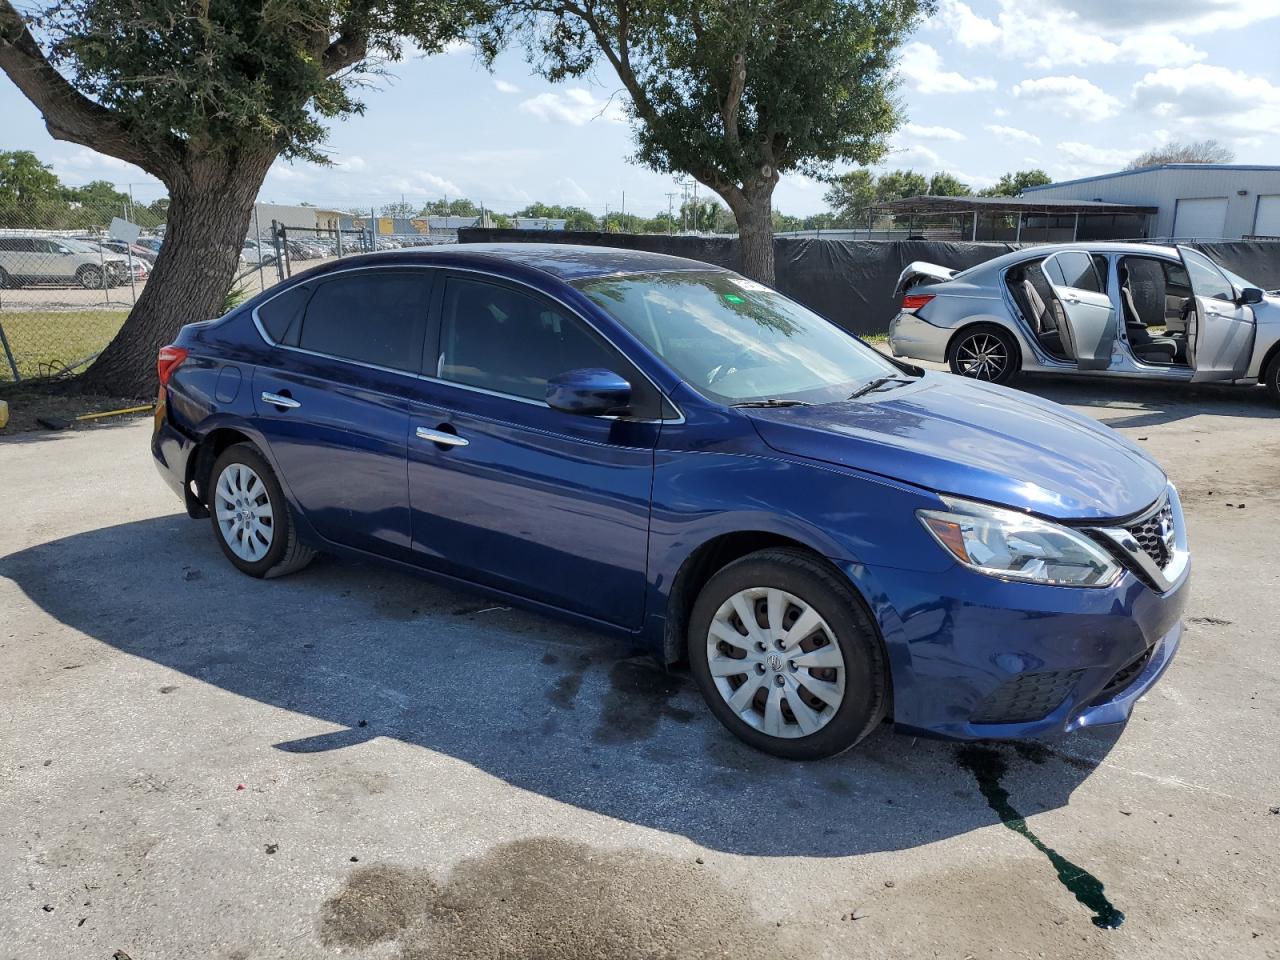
x: 77, y: 246
x: 735, y: 340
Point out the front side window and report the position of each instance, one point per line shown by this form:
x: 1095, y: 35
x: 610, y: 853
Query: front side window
x: 501, y: 339
x: 370, y: 316
x: 735, y: 340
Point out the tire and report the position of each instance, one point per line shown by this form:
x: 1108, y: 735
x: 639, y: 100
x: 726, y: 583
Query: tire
x: 1271, y: 378
x: 91, y: 278
x: 7, y: 282
x: 855, y: 674
x: 987, y: 353
x: 269, y: 547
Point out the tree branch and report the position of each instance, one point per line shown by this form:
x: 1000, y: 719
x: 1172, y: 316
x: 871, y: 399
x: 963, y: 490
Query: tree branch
x: 68, y: 114
x: 352, y: 43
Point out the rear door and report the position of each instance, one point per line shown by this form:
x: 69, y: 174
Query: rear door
x: 1220, y: 331
x: 1079, y: 284
x: 332, y: 402
x: 506, y: 491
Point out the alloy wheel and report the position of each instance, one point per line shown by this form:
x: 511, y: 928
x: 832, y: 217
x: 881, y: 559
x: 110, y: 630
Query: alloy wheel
x: 982, y: 356
x: 776, y: 662
x: 244, y: 513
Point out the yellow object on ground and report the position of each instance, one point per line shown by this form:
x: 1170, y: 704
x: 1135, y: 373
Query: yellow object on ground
x: 4, y: 414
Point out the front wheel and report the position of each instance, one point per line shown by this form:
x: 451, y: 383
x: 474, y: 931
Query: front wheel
x: 984, y: 353
x: 250, y: 515
x: 787, y: 656
x: 1271, y: 378
x: 91, y: 278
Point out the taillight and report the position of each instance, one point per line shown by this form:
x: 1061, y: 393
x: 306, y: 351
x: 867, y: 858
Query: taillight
x: 914, y: 301
x: 169, y: 360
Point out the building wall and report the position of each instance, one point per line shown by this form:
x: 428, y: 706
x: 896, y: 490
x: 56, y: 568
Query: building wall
x: 1163, y: 187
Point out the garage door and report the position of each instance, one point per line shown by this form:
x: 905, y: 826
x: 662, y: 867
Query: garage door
x: 1267, y: 221
x: 1202, y: 218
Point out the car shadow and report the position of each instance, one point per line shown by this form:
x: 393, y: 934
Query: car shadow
x: 1128, y: 403
x: 568, y: 713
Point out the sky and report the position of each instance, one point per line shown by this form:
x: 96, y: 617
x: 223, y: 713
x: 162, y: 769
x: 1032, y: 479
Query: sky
x: 1076, y: 87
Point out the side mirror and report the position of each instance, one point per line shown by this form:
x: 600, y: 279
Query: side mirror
x: 1250, y: 295
x: 590, y: 392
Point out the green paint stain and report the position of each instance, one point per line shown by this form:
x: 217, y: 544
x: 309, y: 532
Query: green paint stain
x: 987, y: 767
x: 733, y: 298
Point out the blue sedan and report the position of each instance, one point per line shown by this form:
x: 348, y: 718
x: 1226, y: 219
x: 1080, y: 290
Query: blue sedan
x: 655, y: 446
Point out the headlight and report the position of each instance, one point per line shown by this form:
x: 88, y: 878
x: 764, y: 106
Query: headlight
x: 1013, y: 546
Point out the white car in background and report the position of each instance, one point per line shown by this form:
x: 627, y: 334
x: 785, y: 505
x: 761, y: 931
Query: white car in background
x: 26, y: 259
x: 1131, y: 310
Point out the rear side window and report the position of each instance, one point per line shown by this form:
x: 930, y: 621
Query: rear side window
x: 281, y: 316
x: 370, y: 316
x: 1074, y: 268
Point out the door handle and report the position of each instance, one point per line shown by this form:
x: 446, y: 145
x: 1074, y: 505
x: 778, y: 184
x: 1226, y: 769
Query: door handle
x: 279, y: 400
x: 441, y: 437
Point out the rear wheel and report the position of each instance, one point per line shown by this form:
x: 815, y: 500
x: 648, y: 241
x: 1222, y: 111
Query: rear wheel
x: 787, y: 656
x: 91, y: 278
x: 7, y: 281
x: 250, y: 516
x: 984, y: 353
x: 1271, y: 378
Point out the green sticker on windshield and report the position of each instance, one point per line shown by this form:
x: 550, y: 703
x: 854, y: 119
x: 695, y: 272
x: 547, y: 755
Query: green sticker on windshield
x: 733, y: 298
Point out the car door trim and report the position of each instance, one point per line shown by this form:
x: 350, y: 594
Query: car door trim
x: 262, y: 332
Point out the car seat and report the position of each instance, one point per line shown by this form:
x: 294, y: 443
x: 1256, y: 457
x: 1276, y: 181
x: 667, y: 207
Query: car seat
x: 1043, y: 322
x: 1143, y: 345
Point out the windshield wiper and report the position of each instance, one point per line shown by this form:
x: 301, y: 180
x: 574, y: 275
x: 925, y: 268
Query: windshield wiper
x: 771, y: 402
x: 877, y: 384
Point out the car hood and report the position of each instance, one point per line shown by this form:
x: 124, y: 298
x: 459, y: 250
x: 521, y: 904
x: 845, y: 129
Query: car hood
x: 975, y: 440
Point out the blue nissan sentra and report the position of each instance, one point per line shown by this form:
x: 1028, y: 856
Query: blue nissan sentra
x: 663, y: 448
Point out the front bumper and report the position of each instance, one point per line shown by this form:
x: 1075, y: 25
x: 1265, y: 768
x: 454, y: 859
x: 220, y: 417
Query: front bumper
x: 973, y: 657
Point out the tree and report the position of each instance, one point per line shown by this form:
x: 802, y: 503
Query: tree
x: 945, y: 185
x: 204, y: 97
x: 25, y: 181
x: 1012, y: 184
x: 1193, y: 151
x: 399, y: 210
x: 900, y: 184
x: 849, y: 195
x: 734, y: 92
x: 578, y: 219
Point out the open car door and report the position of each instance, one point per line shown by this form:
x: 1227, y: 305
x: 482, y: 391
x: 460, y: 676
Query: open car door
x: 1220, y: 329
x: 1088, y: 312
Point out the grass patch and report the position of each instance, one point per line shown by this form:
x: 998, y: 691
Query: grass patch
x: 46, y: 342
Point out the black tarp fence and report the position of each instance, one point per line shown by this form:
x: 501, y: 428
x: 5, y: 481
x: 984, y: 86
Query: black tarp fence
x: 852, y: 281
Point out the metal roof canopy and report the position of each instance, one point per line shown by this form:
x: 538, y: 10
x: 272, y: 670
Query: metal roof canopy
x: 985, y: 205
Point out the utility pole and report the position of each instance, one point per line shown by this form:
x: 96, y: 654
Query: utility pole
x: 671, y: 220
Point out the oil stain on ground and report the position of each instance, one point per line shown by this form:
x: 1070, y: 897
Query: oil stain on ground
x: 640, y: 694
x: 988, y: 767
x: 554, y: 899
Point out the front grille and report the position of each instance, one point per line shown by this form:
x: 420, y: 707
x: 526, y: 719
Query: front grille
x: 1124, y: 676
x: 1151, y: 535
x: 1029, y: 696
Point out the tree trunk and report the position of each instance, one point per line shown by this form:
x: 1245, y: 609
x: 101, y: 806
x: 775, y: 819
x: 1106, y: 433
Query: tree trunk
x: 208, y: 219
x: 753, y: 209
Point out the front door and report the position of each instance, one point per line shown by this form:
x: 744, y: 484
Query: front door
x: 332, y: 402
x: 506, y: 491
x: 1220, y: 331
x: 1078, y: 284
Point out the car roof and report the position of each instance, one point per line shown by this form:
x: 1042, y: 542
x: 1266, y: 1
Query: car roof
x: 1042, y: 250
x: 565, y: 261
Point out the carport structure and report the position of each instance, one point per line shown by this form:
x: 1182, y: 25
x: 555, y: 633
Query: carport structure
x: 1012, y: 218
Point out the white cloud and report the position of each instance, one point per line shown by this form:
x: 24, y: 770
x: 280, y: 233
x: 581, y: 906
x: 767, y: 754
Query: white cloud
x: 570, y: 191
x: 1208, y: 100
x: 1073, y: 97
x: 1011, y: 134
x: 914, y: 155
x: 505, y: 87
x: 352, y: 164
x: 1057, y: 34
x: 576, y: 106
x: 921, y: 69
x: 1094, y: 158
x: 931, y: 133
x: 1184, y: 16
x: 422, y: 183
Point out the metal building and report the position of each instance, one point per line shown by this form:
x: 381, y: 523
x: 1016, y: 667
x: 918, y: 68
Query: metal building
x: 1194, y: 201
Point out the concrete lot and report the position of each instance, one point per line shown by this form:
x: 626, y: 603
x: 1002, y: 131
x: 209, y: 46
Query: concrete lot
x: 355, y: 762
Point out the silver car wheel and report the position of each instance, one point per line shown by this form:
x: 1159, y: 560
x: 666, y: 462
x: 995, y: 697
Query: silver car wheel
x: 243, y: 509
x: 775, y: 661
x: 982, y: 356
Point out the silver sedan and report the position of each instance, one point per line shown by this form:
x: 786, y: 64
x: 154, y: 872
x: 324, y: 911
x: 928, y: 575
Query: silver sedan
x: 1101, y: 309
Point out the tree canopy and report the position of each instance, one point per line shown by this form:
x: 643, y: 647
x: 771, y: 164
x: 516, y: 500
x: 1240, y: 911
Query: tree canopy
x: 1177, y: 151
x: 1012, y: 184
x: 734, y: 92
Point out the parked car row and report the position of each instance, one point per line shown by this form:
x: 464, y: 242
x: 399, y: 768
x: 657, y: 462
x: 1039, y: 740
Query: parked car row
x: 1103, y: 309
x: 33, y: 259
